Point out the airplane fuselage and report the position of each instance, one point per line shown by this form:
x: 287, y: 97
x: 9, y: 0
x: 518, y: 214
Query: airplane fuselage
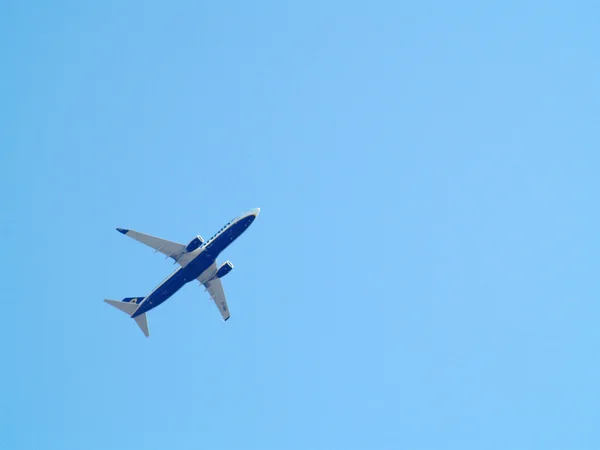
x: 200, y: 260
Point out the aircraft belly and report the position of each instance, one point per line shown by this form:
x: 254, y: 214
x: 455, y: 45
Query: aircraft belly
x: 223, y: 241
x: 163, y: 292
x: 199, y: 265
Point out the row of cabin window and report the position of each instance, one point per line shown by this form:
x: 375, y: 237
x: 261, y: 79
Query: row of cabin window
x: 217, y: 233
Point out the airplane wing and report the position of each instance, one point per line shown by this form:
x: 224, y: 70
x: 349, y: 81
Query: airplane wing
x: 168, y: 248
x: 215, y: 289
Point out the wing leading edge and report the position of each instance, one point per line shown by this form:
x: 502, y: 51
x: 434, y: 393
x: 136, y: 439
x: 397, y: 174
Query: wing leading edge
x: 167, y: 248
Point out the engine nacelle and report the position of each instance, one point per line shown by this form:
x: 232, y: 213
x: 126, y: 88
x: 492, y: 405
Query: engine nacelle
x: 225, y: 268
x: 194, y: 244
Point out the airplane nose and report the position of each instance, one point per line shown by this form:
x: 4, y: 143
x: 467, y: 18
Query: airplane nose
x: 255, y: 211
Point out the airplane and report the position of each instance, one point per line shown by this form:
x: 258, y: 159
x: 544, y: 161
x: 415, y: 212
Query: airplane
x: 198, y: 261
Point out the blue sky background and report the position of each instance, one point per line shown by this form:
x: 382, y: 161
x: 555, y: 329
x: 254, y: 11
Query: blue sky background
x: 424, y: 271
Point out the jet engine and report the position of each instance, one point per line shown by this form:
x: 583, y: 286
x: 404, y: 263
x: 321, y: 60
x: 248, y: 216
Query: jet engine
x: 194, y: 244
x: 225, y: 268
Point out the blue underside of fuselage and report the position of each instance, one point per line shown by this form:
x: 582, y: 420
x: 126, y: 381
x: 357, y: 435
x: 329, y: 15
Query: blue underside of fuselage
x: 196, y: 267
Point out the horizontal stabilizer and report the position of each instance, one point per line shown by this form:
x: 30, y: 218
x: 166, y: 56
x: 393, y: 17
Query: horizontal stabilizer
x: 126, y: 307
x: 143, y: 324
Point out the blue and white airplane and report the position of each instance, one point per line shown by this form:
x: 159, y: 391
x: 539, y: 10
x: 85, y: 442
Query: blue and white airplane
x: 198, y: 261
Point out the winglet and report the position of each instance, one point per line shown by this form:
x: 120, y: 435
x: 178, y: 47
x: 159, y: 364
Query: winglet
x: 122, y: 230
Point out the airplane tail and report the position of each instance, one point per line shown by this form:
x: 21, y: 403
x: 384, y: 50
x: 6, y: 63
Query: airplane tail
x: 128, y: 306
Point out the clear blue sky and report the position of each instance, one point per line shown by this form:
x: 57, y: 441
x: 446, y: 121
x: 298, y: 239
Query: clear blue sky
x: 424, y: 271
